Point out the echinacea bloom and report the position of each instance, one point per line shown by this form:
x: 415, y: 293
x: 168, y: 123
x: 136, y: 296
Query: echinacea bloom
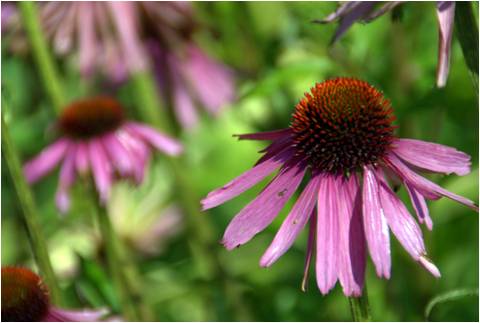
x: 341, y: 133
x: 97, y: 137
x: 365, y: 11
x: 25, y: 298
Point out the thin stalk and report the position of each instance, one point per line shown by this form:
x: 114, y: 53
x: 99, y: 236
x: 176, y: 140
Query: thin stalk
x: 359, y: 307
x: 116, y: 265
x: 29, y: 212
x: 466, y: 28
x: 41, y: 54
x: 201, y: 243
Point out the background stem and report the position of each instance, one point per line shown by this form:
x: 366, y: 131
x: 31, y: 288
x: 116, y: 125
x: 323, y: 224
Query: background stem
x: 29, y: 212
x: 41, y: 54
x: 466, y: 28
x: 360, y: 308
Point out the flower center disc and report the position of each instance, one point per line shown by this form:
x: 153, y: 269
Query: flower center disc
x: 24, y: 296
x: 91, y: 117
x: 341, y: 125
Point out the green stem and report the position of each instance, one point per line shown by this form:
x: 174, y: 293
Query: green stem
x: 359, y: 307
x: 124, y: 276
x: 29, y: 212
x: 467, y: 32
x: 41, y: 54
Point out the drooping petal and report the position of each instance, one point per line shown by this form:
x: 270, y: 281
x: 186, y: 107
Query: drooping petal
x: 351, y: 259
x: 312, y: 229
x: 375, y: 224
x: 65, y: 180
x: 267, y: 135
x: 293, y: 224
x: 259, y: 213
x: 382, y: 10
x: 63, y: 37
x: 341, y: 11
x: 212, y: 81
x: 60, y: 315
x: 118, y: 154
x: 241, y: 183
x: 420, y: 206
x: 44, y: 162
x: 423, y: 185
x: 87, y: 38
x: 363, y: 9
x: 327, y: 235
x: 158, y: 140
x: 402, y: 224
x: 101, y: 168
x: 138, y: 151
x: 184, y: 105
x: 446, y: 16
x: 81, y: 157
x: 432, y: 157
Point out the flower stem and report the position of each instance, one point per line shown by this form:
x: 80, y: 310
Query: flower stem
x: 29, y: 212
x: 130, y: 297
x: 359, y: 307
x: 467, y: 32
x: 41, y: 54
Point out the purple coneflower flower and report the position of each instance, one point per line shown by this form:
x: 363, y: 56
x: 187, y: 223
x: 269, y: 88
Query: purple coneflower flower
x: 365, y: 11
x: 97, y: 136
x: 342, y: 135
x: 25, y: 298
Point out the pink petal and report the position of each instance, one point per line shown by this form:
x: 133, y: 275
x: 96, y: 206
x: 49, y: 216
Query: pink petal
x: 446, y: 16
x: 66, y: 179
x: 45, y: 161
x: 423, y: 185
x: 60, y: 315
x: 242, y: 183
x: 293, y: 224
x: 403, y: 225
x: 81, y: 157
x: 327, y: 234
x: 341, y: 11
x: 158, y: 140
x: 119, y: 154
x: 267, y: 135
x: 184, y: 106
x: 138, y: 151
x: 126, y: 22
x: 375, y: 224
x: 420, y: 206
x: 101, y: 168
x: 351, y: 259
x: 259, y: 213
x: 433, y: 157
x: 87, y: 39
x: 310, y: 247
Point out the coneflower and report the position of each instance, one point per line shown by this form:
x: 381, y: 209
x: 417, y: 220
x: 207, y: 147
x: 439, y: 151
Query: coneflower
x: 342, y: 135
x: 25, y: 298
x: 98, y: 139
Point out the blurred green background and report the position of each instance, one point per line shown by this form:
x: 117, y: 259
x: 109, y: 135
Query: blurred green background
x: 277, y: 54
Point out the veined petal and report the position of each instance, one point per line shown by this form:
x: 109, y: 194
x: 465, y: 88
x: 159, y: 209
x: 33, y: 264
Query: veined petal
x: 158, y: 140
x: 375, y: 224
x: 446, y: 16
x: 433, y: 157
x: 423, y: 185
x: 420, y: 206
x: 327, y: 235
x: 65, y: 180
x: 45, y: 161
x: 259, y: 213
x: 293, y: 224
x: 242, y: 183
x: 267, y: 135
x: 403, y: 225
x: 351, y: 240
x: 101, y: 169
x: 312, y: 228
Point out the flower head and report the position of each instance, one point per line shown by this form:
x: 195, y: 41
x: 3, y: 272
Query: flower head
x: 96, y: 136
x: 365, y: 11
x: 341, y: 133
x: 26, y: 298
